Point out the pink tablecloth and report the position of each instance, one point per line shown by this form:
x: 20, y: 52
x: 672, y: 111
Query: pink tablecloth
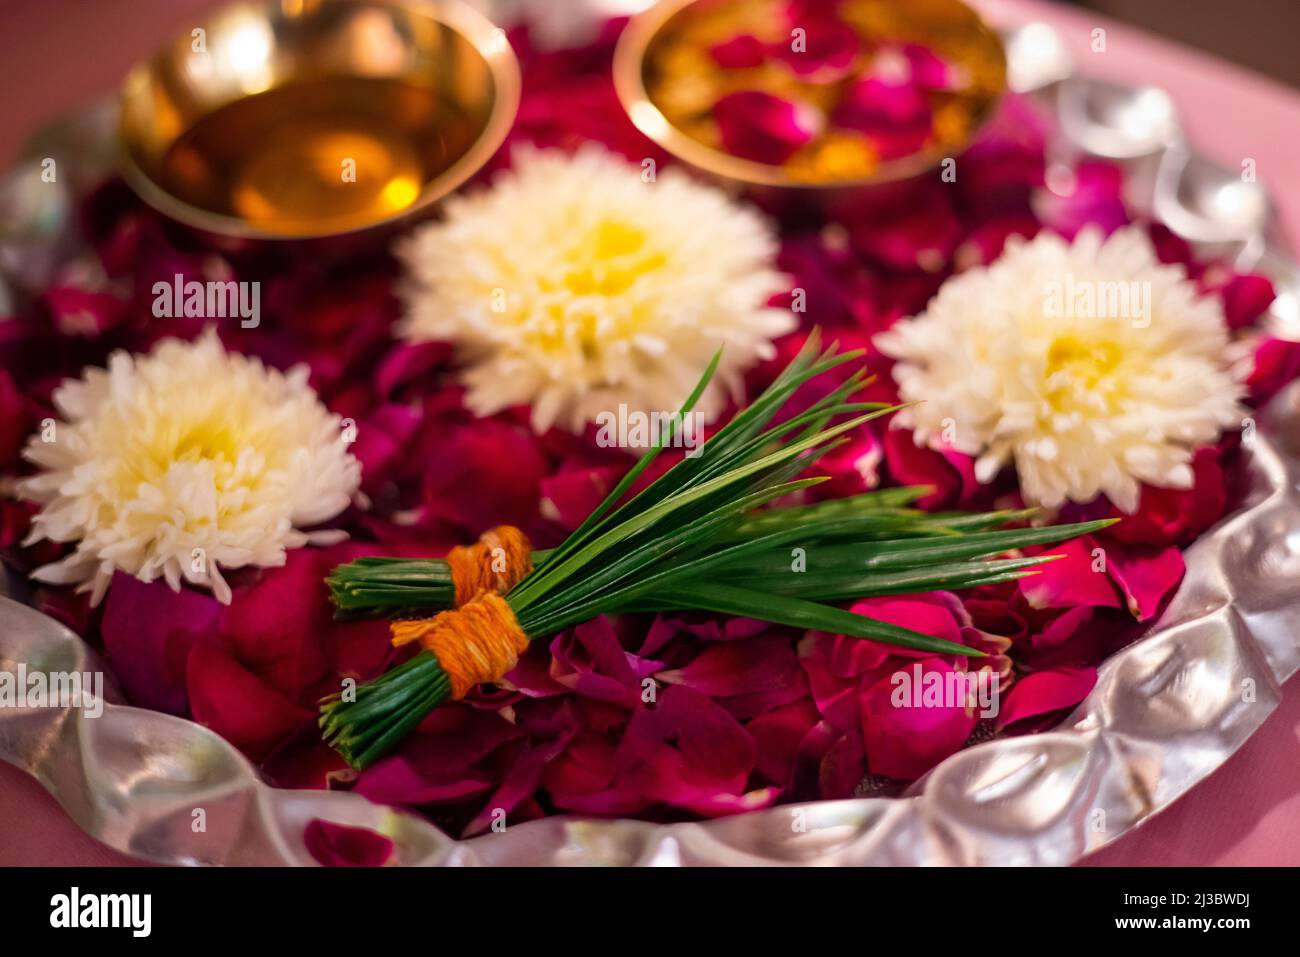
x: 57, y: 54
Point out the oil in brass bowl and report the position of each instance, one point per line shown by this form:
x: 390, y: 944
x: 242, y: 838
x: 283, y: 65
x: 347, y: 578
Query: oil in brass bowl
x: 666, y: 48
x: 306, y: 118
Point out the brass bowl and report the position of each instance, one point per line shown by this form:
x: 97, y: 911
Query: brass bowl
x: 953, y: 28
x: 306, y: 118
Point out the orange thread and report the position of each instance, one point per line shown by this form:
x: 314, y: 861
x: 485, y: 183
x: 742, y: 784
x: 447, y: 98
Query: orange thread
x: 497, y: 562
x: 478, y: 642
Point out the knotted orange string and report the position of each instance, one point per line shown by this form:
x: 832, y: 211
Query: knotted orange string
x: 497, y: 562
x: 479, y: 640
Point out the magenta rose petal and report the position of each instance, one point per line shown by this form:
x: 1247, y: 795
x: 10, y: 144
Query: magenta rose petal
x: 895, y: 116
x: 148, y: 633
x: 383, y: 442
x: 589, y: 661
x: 84, y: 313
x: 444, y: 762
x: 1172, y: 516
x: 1076, y: 579
x: 1147, y: 578
x: 1276, y: 363
x: 1093, y: 195
x: 742, y: 52
x: 906, y: 741
x: 746, y: 706
x: 339, y: 845
x: 658, y: 636
x: 850, y: 657
x: 65, y: 606
x: 854, y: 467
x: 1246, y: 298
x: 274, y: 626
x: 531, y: 677
x: 395, y: 781
x: 580, y: 779
x: 764, y: 128
x: 1003, y: 167
x: 985, y: 242
x: 807, y: 778
x: 1060, y: 630
x: 713, y: 628
x: 303, y: 760
x: 834, y: 695
x: 919, y: 235
x: 686, y: 749
x: 15, y: 422
x: 738, y: 668
x: 472, y: 457
x: 1044, y: 692
x: 928, y: 70
x: 407, y: 362
x: 519, y: 784
x: 237, y: 705
x: 572, y: 494
x: 607, y: 802
x: 939, y: 614
x: 828, y: 53
x: 778, y: 735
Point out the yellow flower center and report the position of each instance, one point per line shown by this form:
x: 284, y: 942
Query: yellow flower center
x: 1088, y: 362
x: 205, y: 441
x: 614, y: 257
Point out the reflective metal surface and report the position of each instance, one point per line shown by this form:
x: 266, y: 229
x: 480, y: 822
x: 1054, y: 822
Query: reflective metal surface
x: 241, y: 127
x: 973, y: 46
x: 1166, y: 711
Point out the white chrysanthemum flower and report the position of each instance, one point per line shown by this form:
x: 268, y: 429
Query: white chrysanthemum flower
x: 1091, y: 365
x: 183, y: 462
x: 576, y: 285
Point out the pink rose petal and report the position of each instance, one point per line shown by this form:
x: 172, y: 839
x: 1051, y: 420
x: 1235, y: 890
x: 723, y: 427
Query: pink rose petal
x: 895, y: 116
x: 1146, y: 577
x: 778, y: 735
x: 928, y: 70
x: 738, y: 668
x: 339, y: 845
x: 1062, y: 628
x: 904, y: 741
x: 1045, y: 692
x: 1276, y: 363
x: 589, y: 661
x: 149, y: 632
x: 446, y: 761
x: 1170, y: 516
x: 687, y: 751
x: 15, y: 422
x: 1092, y: 195
x: 742, y: 52
x: 572, y: 494
x: 761, y: 127
x: 237, y: 705
x: 273, y: 627
x: 1077, y: 579
x: 828, y: 51
x: 1246, y: 298
x: 501, y: 463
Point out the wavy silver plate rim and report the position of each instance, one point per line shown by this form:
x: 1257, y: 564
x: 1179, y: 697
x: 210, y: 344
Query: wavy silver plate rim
x: 1166, y: 711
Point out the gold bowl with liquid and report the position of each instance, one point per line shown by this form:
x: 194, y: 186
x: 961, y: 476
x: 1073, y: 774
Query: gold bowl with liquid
x: 294, y: 119
x: 666, y: 84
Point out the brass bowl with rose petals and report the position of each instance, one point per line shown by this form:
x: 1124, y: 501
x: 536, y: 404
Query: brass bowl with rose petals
x: 673, y: 81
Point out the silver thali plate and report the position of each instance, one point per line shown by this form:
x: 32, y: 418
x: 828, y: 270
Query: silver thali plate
x: 1166, y: 711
